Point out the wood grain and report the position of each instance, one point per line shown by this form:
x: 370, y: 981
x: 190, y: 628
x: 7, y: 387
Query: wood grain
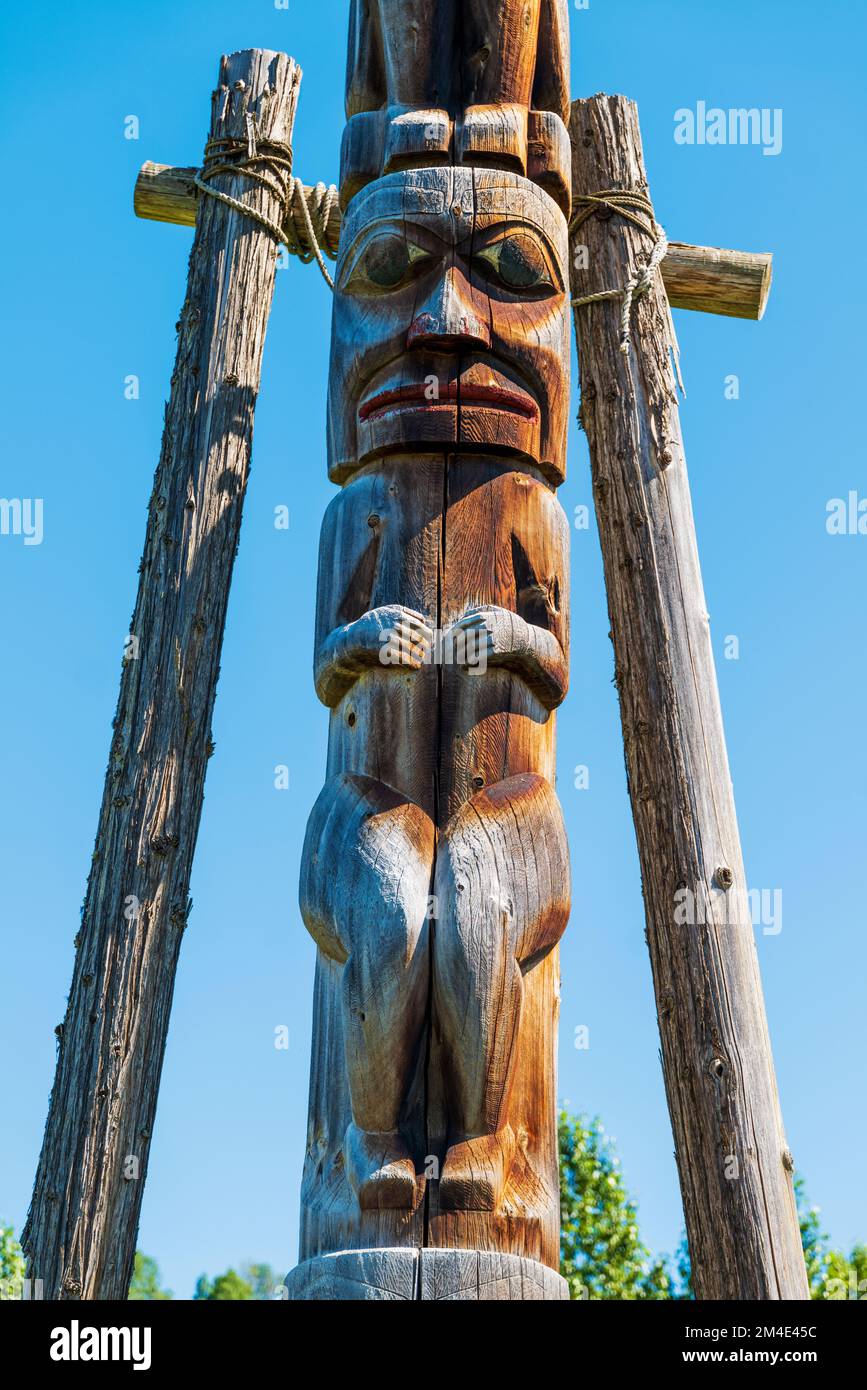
x: 81, y: 1231
x: 413, y: 54
x: 704, y: 278
x: 166, y: 194
x: 733, y: 1160
x: 438, y: 1276
x: 436, y: 873
x: 713, y: 281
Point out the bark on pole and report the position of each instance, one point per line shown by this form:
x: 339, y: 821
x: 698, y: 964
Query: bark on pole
x: 734, y: 1164
x: 81, y: 1230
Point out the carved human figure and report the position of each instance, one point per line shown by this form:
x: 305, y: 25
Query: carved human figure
x: 435, y: 870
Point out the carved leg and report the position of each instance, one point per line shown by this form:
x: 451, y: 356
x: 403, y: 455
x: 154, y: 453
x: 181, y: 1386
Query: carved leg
x: 365, y: 886
x: 502, y: 886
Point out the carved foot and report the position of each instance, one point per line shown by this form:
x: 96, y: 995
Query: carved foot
x: 380, y: 1169
x: 475, y: 1172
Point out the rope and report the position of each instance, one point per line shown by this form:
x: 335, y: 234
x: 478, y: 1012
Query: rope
x: 269, y: 163
x: 314, y: 220
x: 629, y: 205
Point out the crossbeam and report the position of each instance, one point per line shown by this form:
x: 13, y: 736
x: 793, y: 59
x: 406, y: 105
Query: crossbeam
x: 707, y: 279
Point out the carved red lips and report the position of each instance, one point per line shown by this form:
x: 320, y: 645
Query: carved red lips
x: 456, y: 392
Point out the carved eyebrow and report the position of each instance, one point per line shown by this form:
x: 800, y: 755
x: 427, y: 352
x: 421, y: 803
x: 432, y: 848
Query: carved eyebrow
x: 401, y: 226
x: 397, y: 208
x: 465, y: 235
x: 398, y: 226
x: 488, y: 225
x: 489, y: 234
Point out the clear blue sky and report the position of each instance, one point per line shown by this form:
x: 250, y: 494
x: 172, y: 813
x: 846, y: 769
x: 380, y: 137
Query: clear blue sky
x: 91, y: 295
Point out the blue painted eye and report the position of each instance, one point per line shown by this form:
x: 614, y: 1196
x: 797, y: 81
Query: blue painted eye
x: 386, y: 262
x: 518, y: 262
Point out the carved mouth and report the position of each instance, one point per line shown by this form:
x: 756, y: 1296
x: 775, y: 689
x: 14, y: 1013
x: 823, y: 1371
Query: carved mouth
x: 465, y: 393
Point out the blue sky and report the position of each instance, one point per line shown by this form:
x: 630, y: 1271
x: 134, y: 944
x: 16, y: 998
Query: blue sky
x: 91, y: 295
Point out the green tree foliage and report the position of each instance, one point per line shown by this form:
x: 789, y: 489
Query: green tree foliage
x: 831, y: 1273
x: 263, y: 1280
x: 12, y: 1264
x: 601, y: 1252
x: 226, y: 1288
x: 145, y: 1285
x: 254, y: 1281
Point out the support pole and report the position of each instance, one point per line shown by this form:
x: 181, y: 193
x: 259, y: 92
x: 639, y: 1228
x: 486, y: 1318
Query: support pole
x: 734, y: 1164
x: 81, y: 1230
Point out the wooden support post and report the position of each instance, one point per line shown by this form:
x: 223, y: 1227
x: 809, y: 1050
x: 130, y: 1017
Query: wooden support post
x: 81, y: 1229
x: 735, y: 1167
x: 706, y: 278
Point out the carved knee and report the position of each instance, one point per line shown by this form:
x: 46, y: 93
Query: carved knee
x: 365, y: 875
x: 503, y: 873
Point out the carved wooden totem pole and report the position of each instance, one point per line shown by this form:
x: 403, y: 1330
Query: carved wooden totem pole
x: 435, y: 876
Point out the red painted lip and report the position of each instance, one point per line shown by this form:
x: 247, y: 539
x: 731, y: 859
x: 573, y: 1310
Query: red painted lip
x: 498, y: 397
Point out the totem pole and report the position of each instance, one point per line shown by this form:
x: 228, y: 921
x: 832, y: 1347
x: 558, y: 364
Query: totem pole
x: 435, y: 876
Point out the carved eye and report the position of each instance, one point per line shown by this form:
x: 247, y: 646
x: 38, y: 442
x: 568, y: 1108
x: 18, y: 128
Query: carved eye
x: 386, y: 262
x: 518, y: 262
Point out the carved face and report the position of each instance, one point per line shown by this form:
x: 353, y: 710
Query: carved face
x: 450, y: 320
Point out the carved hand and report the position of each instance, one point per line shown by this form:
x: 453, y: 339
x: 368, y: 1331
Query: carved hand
x: 391, y: 635
x: 507, y: 639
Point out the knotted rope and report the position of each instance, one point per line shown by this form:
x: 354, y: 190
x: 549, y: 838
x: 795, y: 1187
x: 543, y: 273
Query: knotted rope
x: 269, y: 163
x: 637, y: 209
x: 308, y: 241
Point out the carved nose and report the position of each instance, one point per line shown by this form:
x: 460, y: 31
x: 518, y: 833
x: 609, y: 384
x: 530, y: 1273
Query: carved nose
x: 447, y: 320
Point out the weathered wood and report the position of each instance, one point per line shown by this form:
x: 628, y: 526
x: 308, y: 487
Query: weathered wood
x: 81, y: 1230
x: 167, y: 194
x: 435, y: 875
x: 705, y: 278
x: 734, y: 1165
x: 438, y: 821
x: 480, y: 1276
x: 437, y: 1276
x: 481, y: 83
x: 713, y: 281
